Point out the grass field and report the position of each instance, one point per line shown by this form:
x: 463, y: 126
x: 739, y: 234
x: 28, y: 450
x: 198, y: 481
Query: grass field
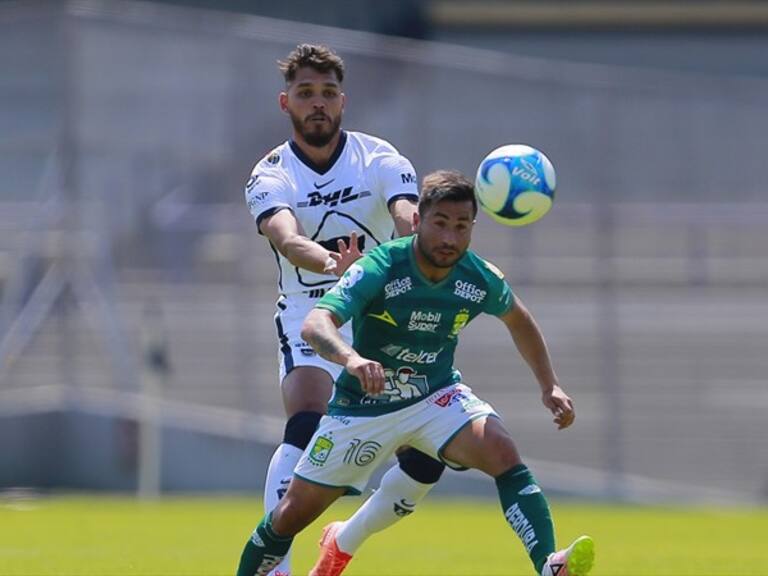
x: 196, y: 536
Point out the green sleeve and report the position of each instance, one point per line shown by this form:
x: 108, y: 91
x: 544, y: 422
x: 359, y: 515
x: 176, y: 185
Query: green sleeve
x: 356, y: 289
x: 500, y: 299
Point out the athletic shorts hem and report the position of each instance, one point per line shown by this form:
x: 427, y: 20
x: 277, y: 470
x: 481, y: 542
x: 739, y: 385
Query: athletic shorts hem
x: 452, y: 465
x: 295, y: 366
x: 350, y: 490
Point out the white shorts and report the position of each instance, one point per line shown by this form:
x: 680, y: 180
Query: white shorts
x: 345, y: 450
x: 293, y: 351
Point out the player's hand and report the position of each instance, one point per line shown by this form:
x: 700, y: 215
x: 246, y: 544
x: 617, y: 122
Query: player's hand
x: 346, y: 255
x: 369, y: 372
x: 561, y: 406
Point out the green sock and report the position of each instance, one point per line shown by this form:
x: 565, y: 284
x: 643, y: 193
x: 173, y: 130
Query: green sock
x: 526, y: 510
x: 264, y: 550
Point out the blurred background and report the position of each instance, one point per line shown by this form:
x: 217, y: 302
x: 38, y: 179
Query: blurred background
x: 137, y: 346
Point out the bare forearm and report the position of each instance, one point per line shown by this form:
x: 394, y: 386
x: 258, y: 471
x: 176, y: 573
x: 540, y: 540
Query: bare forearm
x: 533, y: 349
x: 306, y: 254
x: 320, y: 332
x: 286, y: 235
x: 531, y: 345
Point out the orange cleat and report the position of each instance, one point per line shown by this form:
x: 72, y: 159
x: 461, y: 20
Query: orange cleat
x: 332, y: 561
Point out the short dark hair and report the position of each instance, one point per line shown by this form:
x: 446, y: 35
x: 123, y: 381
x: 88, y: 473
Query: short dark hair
x: 449, y: 185
x: 315, y: 56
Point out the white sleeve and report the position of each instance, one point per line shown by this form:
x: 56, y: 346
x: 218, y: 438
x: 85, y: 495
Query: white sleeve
x: 397, y: 178
x: 265, y: 195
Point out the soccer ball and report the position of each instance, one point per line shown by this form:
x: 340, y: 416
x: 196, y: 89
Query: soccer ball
x: 515, y: 184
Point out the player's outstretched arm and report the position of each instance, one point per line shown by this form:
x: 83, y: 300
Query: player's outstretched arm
x: 533, y: 348
x: 286, y: 236
x: 321, y: 332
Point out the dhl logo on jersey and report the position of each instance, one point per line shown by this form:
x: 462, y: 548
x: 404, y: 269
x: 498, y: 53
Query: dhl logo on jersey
x: 341, y: 196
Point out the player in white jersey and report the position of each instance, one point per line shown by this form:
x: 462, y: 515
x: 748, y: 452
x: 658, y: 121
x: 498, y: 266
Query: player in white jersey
x: 321, y: 198
x: 353, y: 194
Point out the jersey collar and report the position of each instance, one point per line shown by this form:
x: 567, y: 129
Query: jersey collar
x: 331, y: 161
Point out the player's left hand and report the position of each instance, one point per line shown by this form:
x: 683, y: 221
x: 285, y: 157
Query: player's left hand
x: 369, y: 372
x: 346, y: 255
x: 561, y: 406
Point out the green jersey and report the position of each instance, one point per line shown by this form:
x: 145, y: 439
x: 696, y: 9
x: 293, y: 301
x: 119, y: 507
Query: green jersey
x: 407, y: 323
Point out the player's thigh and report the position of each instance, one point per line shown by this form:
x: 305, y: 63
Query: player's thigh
x: 306, y: 388
x: 438, y: 419
x: 483, y: 444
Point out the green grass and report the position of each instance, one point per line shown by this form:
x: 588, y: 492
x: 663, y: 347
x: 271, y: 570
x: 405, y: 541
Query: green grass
x: 195, y: 536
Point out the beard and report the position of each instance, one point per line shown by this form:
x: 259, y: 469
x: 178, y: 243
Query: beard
x: 316, y: 136
x: 433, y: 260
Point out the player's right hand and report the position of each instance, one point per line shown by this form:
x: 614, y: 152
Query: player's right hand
x: 561, y: 406
x: 369, y: 372
x: 346, y: 255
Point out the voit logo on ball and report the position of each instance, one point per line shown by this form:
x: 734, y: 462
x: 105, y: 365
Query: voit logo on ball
x: 515, y: 184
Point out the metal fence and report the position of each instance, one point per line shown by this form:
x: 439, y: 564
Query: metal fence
x: 127, y: 131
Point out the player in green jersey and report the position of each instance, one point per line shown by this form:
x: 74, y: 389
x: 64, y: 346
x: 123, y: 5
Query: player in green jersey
x: 408, y: 301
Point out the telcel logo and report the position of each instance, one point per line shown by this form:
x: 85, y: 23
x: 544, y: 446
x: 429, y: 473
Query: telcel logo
x: 406, y: 355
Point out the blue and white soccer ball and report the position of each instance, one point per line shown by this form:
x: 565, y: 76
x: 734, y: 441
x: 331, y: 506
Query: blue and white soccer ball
x: 515, y: 184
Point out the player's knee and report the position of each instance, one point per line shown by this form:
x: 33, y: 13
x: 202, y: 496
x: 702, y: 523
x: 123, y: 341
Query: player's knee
x: 506, y: 461
x: 419, y: 466
x: 501, y: 455
x: 300, y: 428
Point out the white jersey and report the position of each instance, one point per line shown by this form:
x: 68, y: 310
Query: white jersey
x: 352, y: 194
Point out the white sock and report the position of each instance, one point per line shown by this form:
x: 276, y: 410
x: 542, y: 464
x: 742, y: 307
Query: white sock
x: 279, y: 475
x: 395, y: 499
